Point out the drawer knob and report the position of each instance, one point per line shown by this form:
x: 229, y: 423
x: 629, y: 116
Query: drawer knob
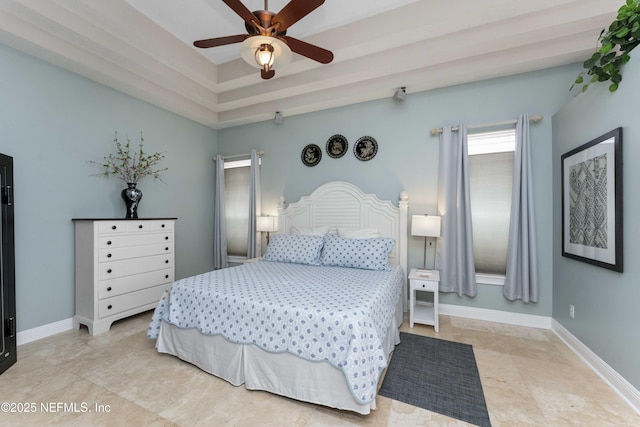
x: 108, y: 242
x: 162, y: 226
x: 109, y: 307
x: 166, y: 237
x: 140, y: 226
x: 109, y: 289
x: 166, y: 276
x: 108, y: 255
x: 109, y: 271
x: 113, y: 227
x: 166, y: 249
x: 166, y: 261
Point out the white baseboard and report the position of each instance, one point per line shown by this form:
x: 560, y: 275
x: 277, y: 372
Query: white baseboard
x: 44, y: 331
x: 519, y: 319
x: 625, y: 390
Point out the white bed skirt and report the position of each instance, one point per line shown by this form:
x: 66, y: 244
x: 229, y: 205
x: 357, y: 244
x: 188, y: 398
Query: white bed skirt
x: 280, y: 373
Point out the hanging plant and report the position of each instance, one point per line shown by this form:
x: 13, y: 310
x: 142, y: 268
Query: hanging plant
x: 615, y: 44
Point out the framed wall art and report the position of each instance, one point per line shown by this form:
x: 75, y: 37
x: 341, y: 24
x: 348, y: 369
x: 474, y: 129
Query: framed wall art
x: 592, y: 202
x: 337, y: 146
x: 311, y: 155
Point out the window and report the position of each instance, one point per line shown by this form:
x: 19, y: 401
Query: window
x: 491, y: 158
x: 237, y: 180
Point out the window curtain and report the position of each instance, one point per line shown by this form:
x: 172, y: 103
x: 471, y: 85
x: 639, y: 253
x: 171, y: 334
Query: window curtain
x: 254, y: 205
x: 454, y: 248
x: 219, y: 223
x: 521, y: 281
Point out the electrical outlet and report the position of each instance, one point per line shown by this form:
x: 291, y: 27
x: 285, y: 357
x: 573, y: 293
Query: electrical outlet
x: 572, y: 311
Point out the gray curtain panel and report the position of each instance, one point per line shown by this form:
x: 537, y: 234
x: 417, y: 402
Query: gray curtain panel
x: 521, y: 281
x: 219, y: 223
x: 454, y: 249
x: 254, y: 206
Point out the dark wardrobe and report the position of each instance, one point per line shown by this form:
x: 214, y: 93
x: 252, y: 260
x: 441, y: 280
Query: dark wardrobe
x: 7, y: 267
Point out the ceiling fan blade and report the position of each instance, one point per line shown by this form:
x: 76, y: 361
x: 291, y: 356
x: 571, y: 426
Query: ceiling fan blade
x: 241, y: 10
x: 316, y: 53
x: 294, y: 11
x: 267, y: 74
x: 220, y: 41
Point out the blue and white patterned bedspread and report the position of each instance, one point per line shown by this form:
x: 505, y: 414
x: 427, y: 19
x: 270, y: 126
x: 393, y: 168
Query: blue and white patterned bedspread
x: 334, y: 314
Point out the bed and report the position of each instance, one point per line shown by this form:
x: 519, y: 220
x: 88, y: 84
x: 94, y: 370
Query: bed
x: 316, y: 319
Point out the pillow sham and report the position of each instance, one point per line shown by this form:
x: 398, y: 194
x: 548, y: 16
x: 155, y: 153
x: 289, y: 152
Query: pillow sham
x: 358, y: 233
x: 296, y: 249
x: 309, y: 231
x: 368, y: 254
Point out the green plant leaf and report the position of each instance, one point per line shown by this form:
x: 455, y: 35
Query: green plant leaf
x: 579, y: 80
x: 584, y: 88
x: 613, y: 87
x: 606, y: 48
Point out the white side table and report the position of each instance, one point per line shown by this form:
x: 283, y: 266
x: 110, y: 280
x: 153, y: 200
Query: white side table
x: 422, y: 312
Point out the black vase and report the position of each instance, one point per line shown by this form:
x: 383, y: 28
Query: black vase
x: 131, y: 196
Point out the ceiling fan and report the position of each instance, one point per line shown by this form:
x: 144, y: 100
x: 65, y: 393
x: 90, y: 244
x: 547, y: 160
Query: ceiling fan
x: 267, y: 35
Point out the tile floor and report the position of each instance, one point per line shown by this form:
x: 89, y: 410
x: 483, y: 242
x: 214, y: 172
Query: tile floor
x: 530, y: 378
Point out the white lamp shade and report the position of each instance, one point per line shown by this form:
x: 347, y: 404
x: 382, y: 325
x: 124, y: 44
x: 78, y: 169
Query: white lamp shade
x: 266, y: 223
x: 425, y: 225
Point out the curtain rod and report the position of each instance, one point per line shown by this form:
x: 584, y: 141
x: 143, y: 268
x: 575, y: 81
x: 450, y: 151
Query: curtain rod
x: 535, y: 119
x: 259, y: 152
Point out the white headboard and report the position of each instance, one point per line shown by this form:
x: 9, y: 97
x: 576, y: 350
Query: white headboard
x: 341, y: 204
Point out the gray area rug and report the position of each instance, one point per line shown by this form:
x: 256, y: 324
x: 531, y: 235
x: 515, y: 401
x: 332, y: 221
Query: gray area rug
x: 437, y: 375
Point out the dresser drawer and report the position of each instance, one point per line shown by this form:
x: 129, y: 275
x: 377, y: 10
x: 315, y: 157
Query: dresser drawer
x: 136, y: 282
x: 112, y: 227
x: 115, y: 269
x: 118, y: 304
x: 129, y: 226
x: 115, y: 254
x: 149, y: 226
x: 118, y: 241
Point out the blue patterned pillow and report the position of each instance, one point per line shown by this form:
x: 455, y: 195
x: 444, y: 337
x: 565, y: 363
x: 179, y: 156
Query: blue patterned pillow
x: 369, y: 254
x: 297, y: 249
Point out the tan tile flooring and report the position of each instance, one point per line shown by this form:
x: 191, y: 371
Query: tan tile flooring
x: 530, y: 378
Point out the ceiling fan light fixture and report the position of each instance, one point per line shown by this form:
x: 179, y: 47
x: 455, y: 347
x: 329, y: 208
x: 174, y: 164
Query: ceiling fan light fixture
x: 256, y: 49
x: 264, y: 56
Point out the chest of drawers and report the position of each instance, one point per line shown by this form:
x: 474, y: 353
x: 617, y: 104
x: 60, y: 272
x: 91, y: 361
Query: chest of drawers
x: 122, y: 268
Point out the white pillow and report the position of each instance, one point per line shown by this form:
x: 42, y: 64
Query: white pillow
x: 358, y: 233
x: 309, y: 231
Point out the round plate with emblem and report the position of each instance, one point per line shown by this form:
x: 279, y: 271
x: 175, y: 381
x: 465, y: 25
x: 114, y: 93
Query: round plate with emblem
x: 365, y: 148
x: 311, y: 155
x: 336, y: 146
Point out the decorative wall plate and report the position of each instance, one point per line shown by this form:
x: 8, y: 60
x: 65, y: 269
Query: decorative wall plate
x: 365, y: 148
x: 311, y: 155
x: 336, y: 146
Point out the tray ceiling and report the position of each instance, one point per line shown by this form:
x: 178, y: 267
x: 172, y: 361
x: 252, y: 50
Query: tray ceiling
x: 144, y: 48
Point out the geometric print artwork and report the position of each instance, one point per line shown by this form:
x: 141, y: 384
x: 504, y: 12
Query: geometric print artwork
x: 588, y: 203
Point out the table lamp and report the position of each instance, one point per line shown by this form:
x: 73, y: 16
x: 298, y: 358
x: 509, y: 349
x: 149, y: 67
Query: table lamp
x: 266, y: 223
x: 427, y: 226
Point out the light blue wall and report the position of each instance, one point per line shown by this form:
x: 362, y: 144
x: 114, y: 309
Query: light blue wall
x: 408, y: 156
x: 607, y: 317
x: 52, y: 122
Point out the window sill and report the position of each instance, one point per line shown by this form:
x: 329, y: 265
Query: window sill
x: 490, y: 279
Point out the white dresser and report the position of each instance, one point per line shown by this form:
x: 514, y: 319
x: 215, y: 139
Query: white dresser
x: 122, y: 268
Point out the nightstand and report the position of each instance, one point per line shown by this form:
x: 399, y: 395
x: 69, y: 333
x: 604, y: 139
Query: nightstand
x: 422, y: 312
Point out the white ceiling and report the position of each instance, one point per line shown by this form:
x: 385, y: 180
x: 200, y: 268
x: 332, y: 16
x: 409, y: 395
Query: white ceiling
x: 144, y: 48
